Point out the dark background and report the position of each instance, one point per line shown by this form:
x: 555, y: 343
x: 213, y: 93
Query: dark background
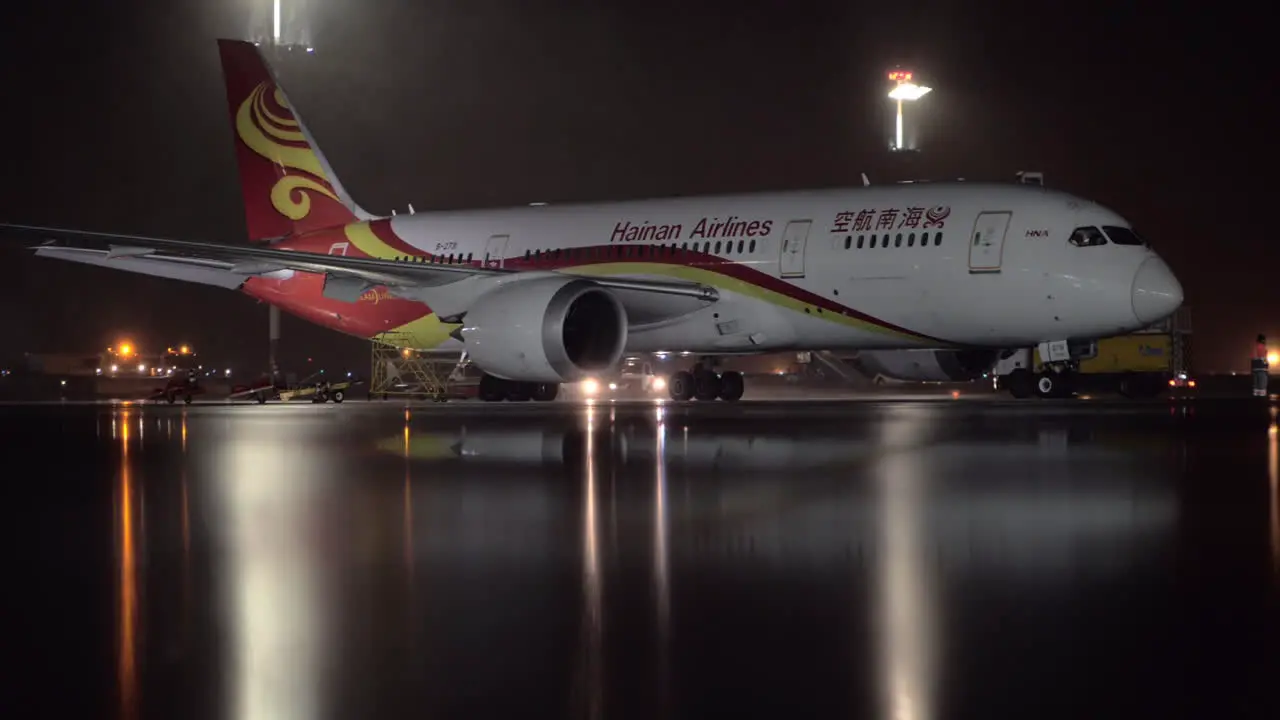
x: 116, y: 121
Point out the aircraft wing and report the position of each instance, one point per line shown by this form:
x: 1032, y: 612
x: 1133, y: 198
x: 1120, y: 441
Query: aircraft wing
x: 229, y: 265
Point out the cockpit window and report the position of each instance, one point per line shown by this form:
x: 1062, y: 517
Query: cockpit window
x: 1123, y: 236
x: 1087, y: 237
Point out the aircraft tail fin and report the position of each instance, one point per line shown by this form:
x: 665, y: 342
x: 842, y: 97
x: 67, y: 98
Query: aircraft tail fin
x: 287, y: 184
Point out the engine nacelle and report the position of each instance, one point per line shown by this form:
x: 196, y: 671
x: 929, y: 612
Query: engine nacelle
x: 547, y: 330
x: 926, y: 365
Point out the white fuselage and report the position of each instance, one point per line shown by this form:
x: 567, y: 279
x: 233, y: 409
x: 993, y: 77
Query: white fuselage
x: 991, y: 267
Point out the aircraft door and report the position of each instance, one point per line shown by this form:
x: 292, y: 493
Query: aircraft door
x: 495, y: 250
x: 794, y: 238
x: 986, y: 245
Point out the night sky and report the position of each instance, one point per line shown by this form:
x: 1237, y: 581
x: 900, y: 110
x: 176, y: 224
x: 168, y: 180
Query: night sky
x: 116, y: 121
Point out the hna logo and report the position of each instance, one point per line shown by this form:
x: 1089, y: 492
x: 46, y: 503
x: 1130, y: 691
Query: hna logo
x: 1150, y: 351
x: 1037, y: 233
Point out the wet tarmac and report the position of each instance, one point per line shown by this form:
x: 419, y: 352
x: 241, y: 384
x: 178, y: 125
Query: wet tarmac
x: 905, y: 560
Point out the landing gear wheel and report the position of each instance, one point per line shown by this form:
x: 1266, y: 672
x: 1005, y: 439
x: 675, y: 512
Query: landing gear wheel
x: 170, y: 397
x: 706, y: 386
x: 492, y: 389
x: 261, y: 398
x: 1020, y: 384
x: 680, y: 386
x: 546, y: 392
x: 186, y: 399
x: 520, y: 392
x: 339, y: 396
x: 1053, y: 385
x: 731, y: 386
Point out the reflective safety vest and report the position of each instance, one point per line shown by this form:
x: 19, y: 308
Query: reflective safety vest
x: 1260, y: 351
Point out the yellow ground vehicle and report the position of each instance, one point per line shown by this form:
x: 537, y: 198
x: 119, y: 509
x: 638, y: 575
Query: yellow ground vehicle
x: 1141, y: 364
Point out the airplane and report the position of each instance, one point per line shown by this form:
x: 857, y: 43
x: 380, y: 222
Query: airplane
x: 939, y: 277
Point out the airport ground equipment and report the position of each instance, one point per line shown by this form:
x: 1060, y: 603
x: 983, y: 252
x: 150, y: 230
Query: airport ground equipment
x: 1137, y: 365
x: 634, y: 379
x: 185, y: 385
x: 316, y: 387
x: 398, y: 371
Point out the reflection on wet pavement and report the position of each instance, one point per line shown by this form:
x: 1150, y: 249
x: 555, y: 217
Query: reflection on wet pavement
x: 911, y: 560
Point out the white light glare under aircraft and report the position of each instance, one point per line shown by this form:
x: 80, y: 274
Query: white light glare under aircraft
x: 543, y: 295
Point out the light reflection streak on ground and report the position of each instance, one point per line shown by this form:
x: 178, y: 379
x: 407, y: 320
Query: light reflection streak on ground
x: 906, y: 611
x: 1273, y: 477
x: 591, y: 671
x: 127, y: 623
x: 270, y: 496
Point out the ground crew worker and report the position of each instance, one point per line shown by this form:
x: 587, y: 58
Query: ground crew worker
x: 1260, y: 367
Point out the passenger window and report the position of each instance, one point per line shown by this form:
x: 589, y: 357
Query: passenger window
x: 924, y: 239
x: 1123, y: 236
x: 706, y: 248
x: 860, y: 241
x: 740, y: 243
x: 911, y: 240
x: 937, y: 239
x: 752, y: 247
x: 848, y: 241
x: 897, y: 242
x: 717, y: 247
x: 1087, y: 237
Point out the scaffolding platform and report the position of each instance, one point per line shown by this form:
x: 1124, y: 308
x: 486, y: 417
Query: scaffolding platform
x: 402, y: 372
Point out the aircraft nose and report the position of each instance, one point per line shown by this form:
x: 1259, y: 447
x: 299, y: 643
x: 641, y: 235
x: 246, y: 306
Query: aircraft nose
x: 1156, y: 292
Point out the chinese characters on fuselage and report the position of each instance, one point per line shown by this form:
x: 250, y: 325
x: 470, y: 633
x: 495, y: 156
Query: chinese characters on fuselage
x: 707, y: 228
x: 891, y: 219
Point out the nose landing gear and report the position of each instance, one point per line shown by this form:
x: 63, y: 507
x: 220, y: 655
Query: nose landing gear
x: 1051, y: 384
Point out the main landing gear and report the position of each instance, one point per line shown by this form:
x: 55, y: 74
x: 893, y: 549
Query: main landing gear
x: 702, y: 383
x: 494, y: 389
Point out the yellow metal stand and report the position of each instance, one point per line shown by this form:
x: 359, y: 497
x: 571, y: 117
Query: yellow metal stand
x: 399, y: 371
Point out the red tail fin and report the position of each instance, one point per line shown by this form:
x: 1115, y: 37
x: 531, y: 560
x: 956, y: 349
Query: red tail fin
x: 287, y: 184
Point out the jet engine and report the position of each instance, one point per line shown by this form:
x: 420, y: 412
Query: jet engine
x: 546, y: 330
x: 926, y: 365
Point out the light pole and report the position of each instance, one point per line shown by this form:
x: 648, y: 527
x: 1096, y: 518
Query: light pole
x: 903, y: 91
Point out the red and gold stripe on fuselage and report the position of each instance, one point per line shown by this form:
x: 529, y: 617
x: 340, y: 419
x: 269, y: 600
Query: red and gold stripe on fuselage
x: 377, y: 313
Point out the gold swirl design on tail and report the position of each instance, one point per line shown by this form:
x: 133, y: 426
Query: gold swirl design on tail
x: 283, y: 102
x: 257, y: 127
x: 296, y: 206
